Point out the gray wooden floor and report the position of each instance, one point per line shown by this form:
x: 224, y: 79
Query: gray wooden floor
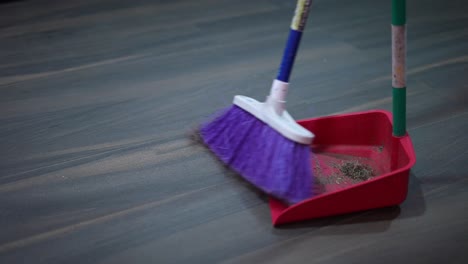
x: 97, y: 98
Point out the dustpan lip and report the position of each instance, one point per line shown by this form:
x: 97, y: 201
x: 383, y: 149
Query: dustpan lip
x: 386, y: 113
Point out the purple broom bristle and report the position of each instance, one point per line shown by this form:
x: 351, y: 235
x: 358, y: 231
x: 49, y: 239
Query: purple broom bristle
x: 261, y: 155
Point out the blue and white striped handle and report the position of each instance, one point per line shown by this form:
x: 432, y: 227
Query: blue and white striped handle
x: 297, y: 26
x: 279, y: 88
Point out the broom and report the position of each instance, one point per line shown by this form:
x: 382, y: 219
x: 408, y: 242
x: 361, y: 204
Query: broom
x: 261, y: 141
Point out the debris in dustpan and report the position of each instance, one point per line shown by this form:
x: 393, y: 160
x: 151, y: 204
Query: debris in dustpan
x: 380, y: 148
x: 356, y: 170
x: 342, y: 173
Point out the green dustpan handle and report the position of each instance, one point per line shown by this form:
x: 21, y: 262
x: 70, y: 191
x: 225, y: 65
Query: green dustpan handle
x: 399, y: 66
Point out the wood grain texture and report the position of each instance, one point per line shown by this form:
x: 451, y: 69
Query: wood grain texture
x: 97, y: 99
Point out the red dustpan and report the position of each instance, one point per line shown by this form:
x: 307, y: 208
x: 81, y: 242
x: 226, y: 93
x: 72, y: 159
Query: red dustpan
x: 368, y: 139
x: 364, y: 138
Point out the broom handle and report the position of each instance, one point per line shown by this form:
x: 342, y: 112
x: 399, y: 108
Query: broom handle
x: 292, y: 45
x: 399, y: 66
